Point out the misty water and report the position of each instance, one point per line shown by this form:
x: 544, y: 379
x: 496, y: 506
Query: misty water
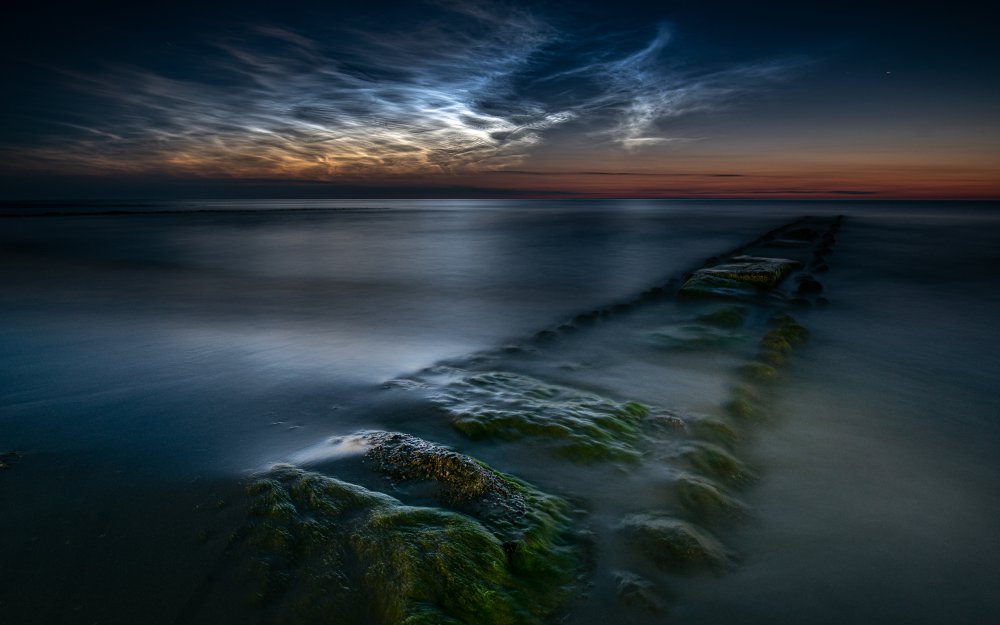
x: 154, y: 361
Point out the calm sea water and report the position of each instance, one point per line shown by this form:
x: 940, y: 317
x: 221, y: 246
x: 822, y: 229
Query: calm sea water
x: 153, y: 360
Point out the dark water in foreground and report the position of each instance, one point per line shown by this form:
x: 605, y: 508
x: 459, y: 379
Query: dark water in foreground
x: 151, y: 362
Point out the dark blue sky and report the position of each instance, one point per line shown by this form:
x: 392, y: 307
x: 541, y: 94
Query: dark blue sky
x: 672, y: 99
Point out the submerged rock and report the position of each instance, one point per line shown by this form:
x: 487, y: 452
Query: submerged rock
x: 728, y: 317
x: 334, y: 552
x: 809, y: 286
x: 715, y: 462
x: 574, y: 424
x: 788, y: 328
x: 744, y: 403
x: 779, y: 342
x: 673, y: 544
x: 708, y: 502
x: 759, y: 372
x: 637, y: 591
x: 714, y: 430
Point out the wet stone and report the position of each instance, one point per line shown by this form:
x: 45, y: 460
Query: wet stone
x: 715, y: 462
x: 328, y: 551
x: 577, y: 425
x: 741, y: 408
x: 708, y: 502
x: 766, y: 272
x: 809, y: 286
x: 674, y: 545
x: 714, y: 430
x: 728, y: 317
x: 638, y: 592
x: 744, y: 403
x: 786, y: 327
x: 759, y: 372
x: 461, y: 479
x: 739, y: 278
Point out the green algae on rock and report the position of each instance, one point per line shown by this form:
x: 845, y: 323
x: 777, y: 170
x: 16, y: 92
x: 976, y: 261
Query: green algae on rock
x: 744, y: 403
x: 526, y: 520
x: 779, y: 342
x: 673, y: 544
x: 737, y: 279
x: 759, y: 372
x: 334, y: 552
x: 708, y: 502
x: 577, y: 425
x: 637, y: 591
x: 727, y: 317
x: 714, y: 430
x: 789, y: 329
x: 715, y: 462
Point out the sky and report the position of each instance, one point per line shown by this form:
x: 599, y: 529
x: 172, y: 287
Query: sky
x: 499, y: 99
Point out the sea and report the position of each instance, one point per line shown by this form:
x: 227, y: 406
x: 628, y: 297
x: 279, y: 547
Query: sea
x: 155, y: 356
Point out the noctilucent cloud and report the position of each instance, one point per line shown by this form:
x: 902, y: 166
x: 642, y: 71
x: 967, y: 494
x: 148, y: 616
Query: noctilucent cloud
x: 503, y: 99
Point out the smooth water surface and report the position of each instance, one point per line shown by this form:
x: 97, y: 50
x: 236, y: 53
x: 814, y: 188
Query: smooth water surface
x: 154, y: 360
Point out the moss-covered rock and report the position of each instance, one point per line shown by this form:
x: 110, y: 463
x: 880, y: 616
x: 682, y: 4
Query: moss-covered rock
x: 775, y: 341
x: 526, y: 520
x: 334, y: 552
x: 785, y: 335
x: 741, y: 408
x: 673, y: 544
x: 737, y: 279
x: 744, y: 403
x: 574, y: 424
x: 788, y: 329
x: 708, y: 502
x: 759, y: 372
x: 714, y: 430
x: 638, y: 592
x: 717, y: 463
x: 727, y: 317
x: 809, y: 286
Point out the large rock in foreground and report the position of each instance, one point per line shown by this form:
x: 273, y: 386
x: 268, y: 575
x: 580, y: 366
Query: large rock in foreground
x: 332, y: 552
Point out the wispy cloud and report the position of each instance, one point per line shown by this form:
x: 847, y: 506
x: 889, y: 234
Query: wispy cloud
x: 643, y: 89
x: 443, y: 96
